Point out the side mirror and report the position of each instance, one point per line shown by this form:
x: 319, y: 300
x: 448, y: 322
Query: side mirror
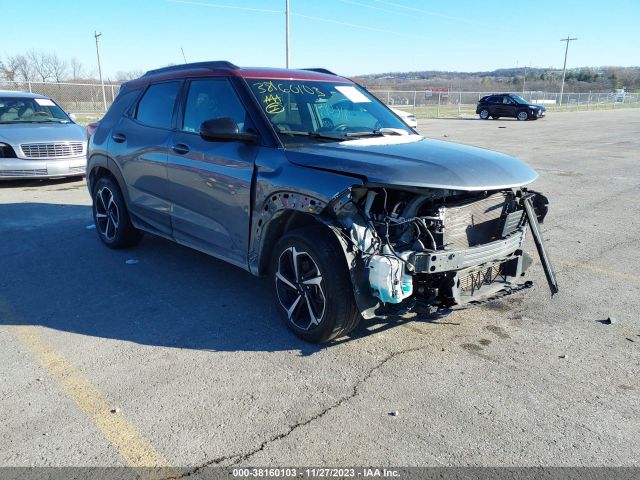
x: 72, y: 116
x: 225, y: 129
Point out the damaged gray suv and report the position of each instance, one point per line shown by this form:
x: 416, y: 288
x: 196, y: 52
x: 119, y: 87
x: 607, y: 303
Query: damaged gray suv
x: 305, y: 177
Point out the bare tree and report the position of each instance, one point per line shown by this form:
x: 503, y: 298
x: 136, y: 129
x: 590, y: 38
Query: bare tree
x: 17, y: 68
x: 41, y: 64
x: 76, y: 69
x: 58, y: 67
x: 122, y: 76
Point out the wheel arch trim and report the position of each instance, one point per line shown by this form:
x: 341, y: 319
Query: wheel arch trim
x: 281, y: 211
x: 281, y: 219
x: 97, y: 161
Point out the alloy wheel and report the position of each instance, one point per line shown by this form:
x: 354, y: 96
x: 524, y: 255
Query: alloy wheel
x: 107, y: 213
x: 484, y: 114
x: 522, y: 116
x: 300, y: 289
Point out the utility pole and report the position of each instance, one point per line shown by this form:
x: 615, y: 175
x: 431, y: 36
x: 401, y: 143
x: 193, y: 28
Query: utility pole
x: 564, y: 69
x: 104, y: 96
x: 524, y: 79
x: 287, y: 15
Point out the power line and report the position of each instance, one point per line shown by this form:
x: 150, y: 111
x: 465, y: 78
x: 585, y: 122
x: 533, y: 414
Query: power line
x: 420, y: 10
x: 289, y: 13
x: 218, y: 5
x: 300, y: 15
x: 351, y: 2
x: 353, y: 25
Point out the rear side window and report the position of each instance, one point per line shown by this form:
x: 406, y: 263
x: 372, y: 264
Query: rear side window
x: 123, y: 101
x: 156, y: 106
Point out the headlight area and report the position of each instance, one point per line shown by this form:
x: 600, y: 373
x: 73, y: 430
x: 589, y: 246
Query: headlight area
x: 6, y: 151
x: 435, y: 248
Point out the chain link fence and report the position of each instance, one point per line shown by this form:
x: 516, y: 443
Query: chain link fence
x: 89, y: 101
x: 431, y: 104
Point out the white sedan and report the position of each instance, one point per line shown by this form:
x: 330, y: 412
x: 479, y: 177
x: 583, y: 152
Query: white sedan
x: 38, y: 139
x: 408, y: 118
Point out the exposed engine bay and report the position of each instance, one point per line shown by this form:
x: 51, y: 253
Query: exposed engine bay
x: 435, y: 248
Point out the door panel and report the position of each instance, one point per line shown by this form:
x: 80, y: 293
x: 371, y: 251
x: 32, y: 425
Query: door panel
x: 508, y: 107
x: 142, y: 159
x: 210, y: 181
x: 211, y: 195
x: 500, y: 108
x: 139, y: 145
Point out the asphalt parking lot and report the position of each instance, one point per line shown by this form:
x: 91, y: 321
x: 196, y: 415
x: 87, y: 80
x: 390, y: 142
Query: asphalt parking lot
x: 181, y: 360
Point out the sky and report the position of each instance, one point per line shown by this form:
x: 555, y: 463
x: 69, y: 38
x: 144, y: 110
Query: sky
x: 350, y: 37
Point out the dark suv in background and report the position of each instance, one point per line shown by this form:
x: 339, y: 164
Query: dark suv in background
x: 508, y: 105
x: 306, y: 177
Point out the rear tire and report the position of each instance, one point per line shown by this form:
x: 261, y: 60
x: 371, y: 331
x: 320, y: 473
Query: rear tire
x: 313, y: 287
x: 111, y: 217
x: 484, y: 114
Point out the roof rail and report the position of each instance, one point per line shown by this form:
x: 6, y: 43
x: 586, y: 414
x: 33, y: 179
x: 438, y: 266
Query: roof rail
x: 186, y: 66
x: 321, y: 70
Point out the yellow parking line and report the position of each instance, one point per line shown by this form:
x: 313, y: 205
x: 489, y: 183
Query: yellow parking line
x: 605, y: 271
x: 135, y: 450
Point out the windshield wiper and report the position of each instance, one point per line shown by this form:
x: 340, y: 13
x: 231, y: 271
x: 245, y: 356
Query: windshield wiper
x: 34, y: 121
x: 382, y: 132
x: 317, y: 135
x: 373, y: 133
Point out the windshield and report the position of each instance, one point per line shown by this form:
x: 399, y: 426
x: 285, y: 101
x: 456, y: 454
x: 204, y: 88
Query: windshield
x: 30, y: 110
x: 520, y: 100
x: 323, y: 111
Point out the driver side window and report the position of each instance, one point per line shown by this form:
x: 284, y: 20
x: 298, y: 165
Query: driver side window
x: 210, y: 99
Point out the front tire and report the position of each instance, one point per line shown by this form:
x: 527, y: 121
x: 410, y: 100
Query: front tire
x: 522, y: 116
x: 484, y: 114
x: 111, y: 217
x: 313, y: 286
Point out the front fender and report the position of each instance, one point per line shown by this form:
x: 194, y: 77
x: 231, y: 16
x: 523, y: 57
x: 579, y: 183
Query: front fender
x: 281, y: 187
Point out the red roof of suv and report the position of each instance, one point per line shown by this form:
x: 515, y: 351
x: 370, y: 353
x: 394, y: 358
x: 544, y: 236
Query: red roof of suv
x: 223, y: 68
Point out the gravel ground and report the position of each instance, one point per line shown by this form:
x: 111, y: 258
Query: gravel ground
x: 183, y: 357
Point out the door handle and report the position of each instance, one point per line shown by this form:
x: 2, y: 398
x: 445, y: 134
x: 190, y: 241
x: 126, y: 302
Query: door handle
x: 180, y: 148
x: 118, y: 137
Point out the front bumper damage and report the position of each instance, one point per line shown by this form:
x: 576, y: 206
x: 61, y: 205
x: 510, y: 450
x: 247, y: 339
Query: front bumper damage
x: 449, y: 275
x: 532, y: 217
